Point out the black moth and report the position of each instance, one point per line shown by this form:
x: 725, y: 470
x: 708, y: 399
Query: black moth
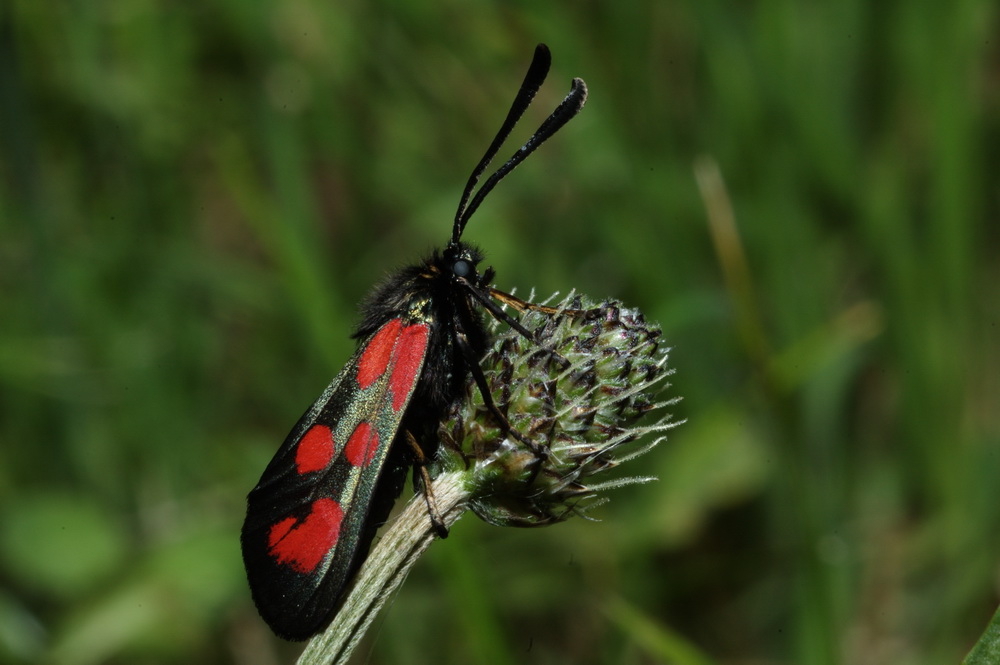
x: 312, y: 517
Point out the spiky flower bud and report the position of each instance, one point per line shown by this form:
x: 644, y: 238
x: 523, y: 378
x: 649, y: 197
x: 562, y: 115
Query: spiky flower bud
x: 575, y: 394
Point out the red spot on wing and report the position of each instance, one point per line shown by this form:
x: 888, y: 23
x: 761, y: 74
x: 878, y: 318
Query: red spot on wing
x: 409, y: 354
x: 303, y: 544
x: 315, y: 449
x: 375, y: 357
x: 362, y: 446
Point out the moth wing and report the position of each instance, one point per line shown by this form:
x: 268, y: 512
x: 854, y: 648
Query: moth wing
x: 307, y: 526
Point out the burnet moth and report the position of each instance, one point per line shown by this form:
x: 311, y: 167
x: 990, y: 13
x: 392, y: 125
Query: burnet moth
x: 312, y: 517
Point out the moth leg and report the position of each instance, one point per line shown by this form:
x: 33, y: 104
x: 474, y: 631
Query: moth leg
x: 425, y: 479
x: 539, y: 451
x: 449, y: 442
x: 497, y: 312
x: 522, y: 305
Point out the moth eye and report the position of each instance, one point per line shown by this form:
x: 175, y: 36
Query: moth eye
x: 462, y: 268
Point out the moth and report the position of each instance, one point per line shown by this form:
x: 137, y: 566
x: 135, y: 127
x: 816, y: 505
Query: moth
x: 312, y: 517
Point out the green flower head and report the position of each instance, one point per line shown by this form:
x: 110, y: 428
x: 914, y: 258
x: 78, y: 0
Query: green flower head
x: 578, y: 393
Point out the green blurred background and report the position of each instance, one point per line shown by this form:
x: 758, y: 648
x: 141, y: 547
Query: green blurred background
x: 194, y: 196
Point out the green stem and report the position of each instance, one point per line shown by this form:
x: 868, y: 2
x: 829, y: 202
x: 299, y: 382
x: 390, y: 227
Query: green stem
x: 402, y: 544
x: 987, y: 649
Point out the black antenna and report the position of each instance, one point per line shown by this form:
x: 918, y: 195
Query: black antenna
x: 568, y: 108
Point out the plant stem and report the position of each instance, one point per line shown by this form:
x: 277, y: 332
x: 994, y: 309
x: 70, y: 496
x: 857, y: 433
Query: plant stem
x: 384, y: 570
